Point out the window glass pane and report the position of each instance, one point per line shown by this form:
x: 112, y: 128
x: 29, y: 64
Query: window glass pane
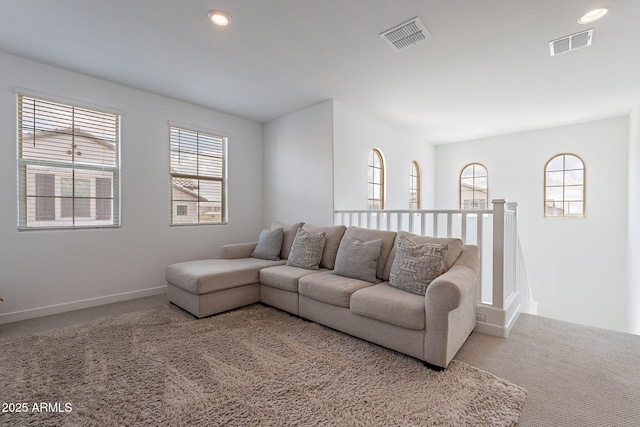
x: 480, y: 183
x: 574, y: 208
x: 573, y: 192
x: 479, y: 170
x: 556, y: 164
x: 554, y: 193
x: 554, y: 208
x: 574, y: 177
x: 554, y: 178
x: 572, y: 162
x: 467, y: 172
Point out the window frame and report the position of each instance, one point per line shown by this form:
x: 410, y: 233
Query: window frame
x: 473, y: 199
x: 70, y: 125
x: 371, y: 184
x: 223, y: 139
x: 564, y: 185
x: 415, y: 204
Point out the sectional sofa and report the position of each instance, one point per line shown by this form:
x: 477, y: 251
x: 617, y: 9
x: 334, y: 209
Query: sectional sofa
x: 413, y: 294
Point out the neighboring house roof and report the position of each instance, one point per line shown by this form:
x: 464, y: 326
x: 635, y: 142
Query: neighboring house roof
x: 69, y: 131
x: 190, y: 192
x: 473, y: 187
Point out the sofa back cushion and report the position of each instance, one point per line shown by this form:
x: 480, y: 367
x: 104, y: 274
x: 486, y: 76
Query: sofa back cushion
x: 333, y: 236
x: 454, y: 248
x: 365, y: 235
x: 289, y: 231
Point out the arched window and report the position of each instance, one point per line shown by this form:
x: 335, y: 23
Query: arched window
x: 474, y: 187
x: 564, y: 186
x: 375, y: 180
x: 414, y: 186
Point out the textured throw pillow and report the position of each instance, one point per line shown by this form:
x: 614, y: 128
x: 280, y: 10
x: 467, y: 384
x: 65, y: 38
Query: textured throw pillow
x: 306, y: 251
x: 357, y: 259
x: 289, y: 234
x: 269, y: 245
x: 416, y: 265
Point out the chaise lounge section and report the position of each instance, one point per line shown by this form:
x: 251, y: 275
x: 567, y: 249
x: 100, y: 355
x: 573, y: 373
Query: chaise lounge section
x: 358, y: 281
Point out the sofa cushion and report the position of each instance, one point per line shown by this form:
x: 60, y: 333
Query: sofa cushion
x: 454, y: 248
x: 390, y: 305
x: 211, y: 275
x: 357, y: 259
x: 269, y: 245
x: 333, y: 236
x: 330, y: 288
x: 416, y: 265
x: 364, y: 235
x: 289, y: 231
x: 306, y: 251
x: 284, y: 277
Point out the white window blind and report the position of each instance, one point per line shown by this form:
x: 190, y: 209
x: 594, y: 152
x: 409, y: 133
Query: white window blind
x: 198, y: 171
x: 68, y: 166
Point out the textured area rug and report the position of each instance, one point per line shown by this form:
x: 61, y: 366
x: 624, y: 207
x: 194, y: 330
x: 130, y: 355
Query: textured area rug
x: 252, y: 366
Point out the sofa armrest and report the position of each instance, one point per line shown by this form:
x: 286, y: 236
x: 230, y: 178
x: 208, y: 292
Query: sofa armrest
x: 237, y: 250
x: 450, y: 308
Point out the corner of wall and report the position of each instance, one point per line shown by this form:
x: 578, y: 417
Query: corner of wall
x: 633, y: 226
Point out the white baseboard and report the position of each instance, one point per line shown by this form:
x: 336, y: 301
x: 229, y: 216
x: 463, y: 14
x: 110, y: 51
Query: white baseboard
x: 78, y: 305
x: 498, y: 321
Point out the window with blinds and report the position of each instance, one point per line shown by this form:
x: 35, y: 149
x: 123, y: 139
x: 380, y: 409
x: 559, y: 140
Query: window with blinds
x: 68, y: 166
x: 198, y: 171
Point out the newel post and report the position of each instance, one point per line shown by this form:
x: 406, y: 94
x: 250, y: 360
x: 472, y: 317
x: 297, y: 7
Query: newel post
x: 498, y: 252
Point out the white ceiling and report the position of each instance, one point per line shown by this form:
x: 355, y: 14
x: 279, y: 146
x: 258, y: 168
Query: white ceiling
x: 486, y: 71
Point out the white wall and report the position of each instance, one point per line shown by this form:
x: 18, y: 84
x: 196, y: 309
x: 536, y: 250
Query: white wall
x: 298, y: 178
x: 634, y: 220
x: 576, y: 267
x: 67, y: 269
x: 355, y: 135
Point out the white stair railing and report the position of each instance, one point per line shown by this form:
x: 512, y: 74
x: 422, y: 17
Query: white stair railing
x: 503, y: 290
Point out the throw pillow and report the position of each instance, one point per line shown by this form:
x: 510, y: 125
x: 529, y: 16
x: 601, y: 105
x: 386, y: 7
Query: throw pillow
x: 306, y: 251
x: 269, y: 245
x: 357, y: 259
x: 331, y: 243
x: 416, y: 265
x: 289, y: 231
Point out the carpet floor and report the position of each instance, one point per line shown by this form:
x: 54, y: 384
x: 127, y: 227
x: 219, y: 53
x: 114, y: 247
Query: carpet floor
x: 251, y: 366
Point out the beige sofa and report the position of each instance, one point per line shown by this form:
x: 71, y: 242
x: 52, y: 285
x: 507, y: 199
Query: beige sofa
x: 430, y: 327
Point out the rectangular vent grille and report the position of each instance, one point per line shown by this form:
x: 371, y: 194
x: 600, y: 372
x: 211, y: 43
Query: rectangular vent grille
x: 407, y: 34
x: 572, y: 42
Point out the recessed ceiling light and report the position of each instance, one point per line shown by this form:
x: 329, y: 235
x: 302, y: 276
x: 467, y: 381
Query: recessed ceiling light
x: 593, y: 15
x: 219, y: 17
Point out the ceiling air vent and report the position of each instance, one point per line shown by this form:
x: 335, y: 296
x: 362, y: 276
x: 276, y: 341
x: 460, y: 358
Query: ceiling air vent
x: 572, y: 42
x: 407, y: 34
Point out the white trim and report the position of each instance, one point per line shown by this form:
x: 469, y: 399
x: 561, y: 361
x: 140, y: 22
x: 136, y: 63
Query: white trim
x: 64, y: 100
x: 499, y: 322
x: 78, y: 305
x: 200, y: 129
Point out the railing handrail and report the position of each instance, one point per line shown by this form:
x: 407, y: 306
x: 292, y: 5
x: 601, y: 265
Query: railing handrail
x: 416, y: 211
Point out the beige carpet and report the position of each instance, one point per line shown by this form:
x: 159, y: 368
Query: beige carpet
x: 252, y: 366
